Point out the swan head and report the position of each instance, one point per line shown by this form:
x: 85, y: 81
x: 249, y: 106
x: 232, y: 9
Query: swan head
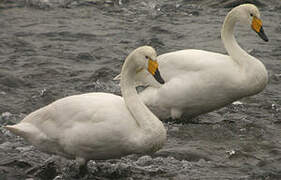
x: 146, y: 58
x: 249, y: 14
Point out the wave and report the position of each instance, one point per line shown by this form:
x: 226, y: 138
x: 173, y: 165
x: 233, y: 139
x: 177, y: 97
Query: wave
x: 46, y: 4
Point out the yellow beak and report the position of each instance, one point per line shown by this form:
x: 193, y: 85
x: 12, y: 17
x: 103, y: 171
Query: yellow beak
x: 256, y: 24
x: 257, y: 27
x: 153, y: 69
x: 152, y: 66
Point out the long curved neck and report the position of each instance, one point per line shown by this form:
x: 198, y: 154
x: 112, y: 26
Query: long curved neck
x: 146, y: 120
x: 254, y: 70
x: 229, y: 41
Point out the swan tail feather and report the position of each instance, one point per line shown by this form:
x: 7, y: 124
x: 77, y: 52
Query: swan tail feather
x: 24, y: 130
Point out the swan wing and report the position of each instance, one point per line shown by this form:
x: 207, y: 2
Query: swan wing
x: 192, y: 77
x: 79, y: 124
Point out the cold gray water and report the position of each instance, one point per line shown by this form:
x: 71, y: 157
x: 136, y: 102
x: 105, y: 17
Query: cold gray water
x: 50, y: 49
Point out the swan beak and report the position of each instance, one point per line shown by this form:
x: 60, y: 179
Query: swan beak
x: 153, y: 69
x: 257, y: 27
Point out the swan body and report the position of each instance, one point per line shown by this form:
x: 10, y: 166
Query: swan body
x: 98, y: 126
x: 198, y: 81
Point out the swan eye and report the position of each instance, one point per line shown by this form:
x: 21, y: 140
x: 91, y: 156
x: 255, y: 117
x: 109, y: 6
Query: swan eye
x: 251, y: 14
x: 146, y: 57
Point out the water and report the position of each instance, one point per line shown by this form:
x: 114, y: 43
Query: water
x: 52, y: 49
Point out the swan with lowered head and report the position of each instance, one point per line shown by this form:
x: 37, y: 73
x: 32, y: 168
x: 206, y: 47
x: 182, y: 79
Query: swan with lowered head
x: 99, y: 126
x: 198, y: 81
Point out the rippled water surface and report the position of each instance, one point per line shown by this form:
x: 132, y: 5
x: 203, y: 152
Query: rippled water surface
x: 52, y: 49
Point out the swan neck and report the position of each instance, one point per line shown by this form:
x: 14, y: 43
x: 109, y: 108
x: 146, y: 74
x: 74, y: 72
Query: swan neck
x: 146, y: 120
x: 254, y: 71
x: 128, y: 90
x: 229, y: 41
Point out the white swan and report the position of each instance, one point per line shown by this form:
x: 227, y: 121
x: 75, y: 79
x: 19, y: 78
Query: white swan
x: 99, y: 126
x: 198, y: 81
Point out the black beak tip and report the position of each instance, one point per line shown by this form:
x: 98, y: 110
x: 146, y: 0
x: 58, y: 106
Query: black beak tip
x: 161, y: 81
x: 263, y: 35
x: 158, y: 77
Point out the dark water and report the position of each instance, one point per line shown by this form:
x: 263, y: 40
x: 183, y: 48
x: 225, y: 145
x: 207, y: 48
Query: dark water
x: 52, y: 49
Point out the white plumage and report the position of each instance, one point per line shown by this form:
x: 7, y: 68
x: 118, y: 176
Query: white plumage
x: 198, y: 81
x: 98, y: 126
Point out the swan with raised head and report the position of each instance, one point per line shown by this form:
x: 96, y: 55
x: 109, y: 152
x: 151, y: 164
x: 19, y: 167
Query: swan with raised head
x: 99, y: 126
x: 198, y: 81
